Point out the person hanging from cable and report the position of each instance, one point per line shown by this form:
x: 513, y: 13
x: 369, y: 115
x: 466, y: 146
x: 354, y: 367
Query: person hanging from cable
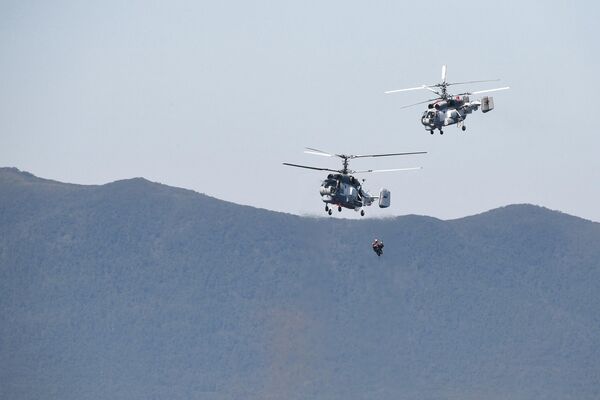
x: 378, y: 247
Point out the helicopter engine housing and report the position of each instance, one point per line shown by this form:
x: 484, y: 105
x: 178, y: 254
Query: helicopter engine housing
x: 384, y: 198
x: 441, y: 105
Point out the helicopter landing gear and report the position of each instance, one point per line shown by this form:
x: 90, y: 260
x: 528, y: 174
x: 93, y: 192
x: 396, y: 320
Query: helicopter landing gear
x: 340, y: 208
x: 326, y: 208
x: 329, y: 211
x: 431, y: 131
x: 464, y: 128
x: 441, y: 132
x: 362, y: 213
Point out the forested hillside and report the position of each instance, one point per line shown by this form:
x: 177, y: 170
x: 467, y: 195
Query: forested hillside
x: 137, y: 290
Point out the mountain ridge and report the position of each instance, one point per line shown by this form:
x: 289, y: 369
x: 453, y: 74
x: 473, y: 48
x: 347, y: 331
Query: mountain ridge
x: 8, y: 172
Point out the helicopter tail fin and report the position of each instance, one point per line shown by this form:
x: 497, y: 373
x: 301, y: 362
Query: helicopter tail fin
x: 487, y: 104
x: 384, y: 198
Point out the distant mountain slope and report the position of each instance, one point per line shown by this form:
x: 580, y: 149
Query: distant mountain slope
x: 136, y: 290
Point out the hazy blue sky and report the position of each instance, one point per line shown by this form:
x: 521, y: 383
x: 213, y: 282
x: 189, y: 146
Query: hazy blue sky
x: 213, y: 96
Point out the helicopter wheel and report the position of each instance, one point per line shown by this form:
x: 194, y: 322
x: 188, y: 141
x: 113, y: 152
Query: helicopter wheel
x: 340, y: 208
x: 464, y: 128
x: 362, y: 213
x: 441, y: 132
x: 329, y: 211
x: 326, y: 208
x: 431, y: 131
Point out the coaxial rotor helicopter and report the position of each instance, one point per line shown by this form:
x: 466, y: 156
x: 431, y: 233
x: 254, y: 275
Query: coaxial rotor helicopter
x: 448, y: 109
x: 343, y: 190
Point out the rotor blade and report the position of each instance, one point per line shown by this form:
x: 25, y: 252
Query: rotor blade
x: 416, y: 104
x: 389, y: 154
x: 432, y: 90
x: 387, y: 170
x: 462, y: 83
x: 307, y: 167
x: 490, y: 90
x: 317, y: 152
x: 444, y: 73
x: 406, y: 90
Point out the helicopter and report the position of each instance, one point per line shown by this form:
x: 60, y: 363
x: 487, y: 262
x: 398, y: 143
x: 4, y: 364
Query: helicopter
x: 448, y: 109
x: 343, y: 190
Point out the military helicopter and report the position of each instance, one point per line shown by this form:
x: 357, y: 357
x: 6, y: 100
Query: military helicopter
x: 448, y: 109
x: 341, y: 189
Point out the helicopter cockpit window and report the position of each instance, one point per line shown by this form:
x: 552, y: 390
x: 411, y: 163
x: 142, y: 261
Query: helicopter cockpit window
x: 329, y: 182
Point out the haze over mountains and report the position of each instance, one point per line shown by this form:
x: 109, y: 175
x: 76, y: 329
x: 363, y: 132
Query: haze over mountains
x: 137, y: 290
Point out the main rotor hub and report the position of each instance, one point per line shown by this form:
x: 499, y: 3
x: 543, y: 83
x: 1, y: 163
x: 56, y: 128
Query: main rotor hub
x: 345, y: 163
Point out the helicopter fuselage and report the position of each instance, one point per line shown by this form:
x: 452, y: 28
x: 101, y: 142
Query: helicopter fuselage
x: 453, y: 110
x: 344, y: 191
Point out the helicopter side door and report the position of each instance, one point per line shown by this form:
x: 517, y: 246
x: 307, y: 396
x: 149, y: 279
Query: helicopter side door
x: 455, y: 116
x: 346, y: 191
